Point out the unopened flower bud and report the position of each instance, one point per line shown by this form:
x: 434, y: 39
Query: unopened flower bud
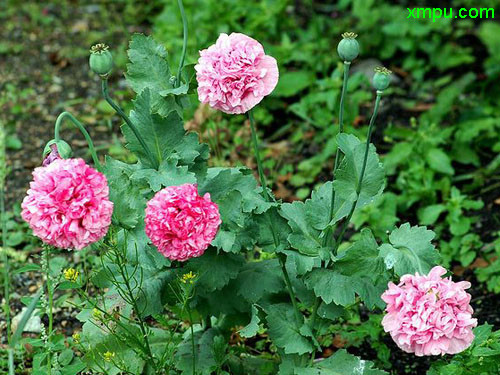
x: 56, y: 150
x: 381, y: 78
x: 101, y: 60
x: 348, y: 47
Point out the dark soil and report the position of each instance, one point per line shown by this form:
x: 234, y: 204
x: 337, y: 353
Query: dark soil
x: 50, y: 75
x: 43, y: 72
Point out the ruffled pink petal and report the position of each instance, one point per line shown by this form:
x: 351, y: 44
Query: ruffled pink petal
x: 235, y: 74
x: 429, y: 315
x: 67, y: 205
x: 180, y: 223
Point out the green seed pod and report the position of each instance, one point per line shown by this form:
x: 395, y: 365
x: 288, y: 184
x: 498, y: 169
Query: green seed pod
x: 381, y: 78
x: 62, y: 148
x: 348, y: 47
x: 101, y: 60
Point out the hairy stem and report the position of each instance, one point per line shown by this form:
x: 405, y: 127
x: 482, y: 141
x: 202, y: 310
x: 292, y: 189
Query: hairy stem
x: 336, y: 164
x: 281, y: 257
x: 260, y: 169
x: 184, y: 42
x: 341, y: 130
x: 129, y: 123
x: 361, y: 175
x: 79, y: 125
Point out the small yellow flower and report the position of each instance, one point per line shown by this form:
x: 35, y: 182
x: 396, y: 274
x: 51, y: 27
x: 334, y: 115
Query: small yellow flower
x: 97, y: 314
x: 188, y: 278
x: 76, y: 337
x: 71, y: 274
x: 108, y: 356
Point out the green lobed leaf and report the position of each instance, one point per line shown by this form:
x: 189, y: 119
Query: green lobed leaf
x: 128, y: 202
x: 332, y: 286
x: 347, y: 176
x: 148, y: 69
x: 341, y: 363
x: 361, y: 258
x: 307, y: 219
x: 236, y: 193
x: 283, y: 330
x: 270, y: 235
x: 410, y: 250
x: 205, y: 359
x: 257, y: 279
x: 251, y: 329
x: 214, y: 270
x: 168, y: 174
x: 161, y: 134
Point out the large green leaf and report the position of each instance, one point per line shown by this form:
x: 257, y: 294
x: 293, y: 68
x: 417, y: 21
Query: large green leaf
x: 348, y: 174
x: 341, y: 363
x: 161, y: 134
x: 283, y: 330
x: 148, y: 69
x: 307, y: 219
x: 251, y: 329
x: 214, y: 271
x: 128, y: 202
x: 257, y: 279
x: 98, y: 340
x: 410, y: 250
x: 332, y: 286
x: 236, y: 193
x: 362, y: 258
x: 168, y: 174
x: 207, y: 353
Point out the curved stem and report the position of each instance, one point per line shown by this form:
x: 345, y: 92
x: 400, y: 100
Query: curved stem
x: 361, y: 175
x: 79, y: 125
x: 184, y: 42
x: 130, y: 124
x: 263, y: 182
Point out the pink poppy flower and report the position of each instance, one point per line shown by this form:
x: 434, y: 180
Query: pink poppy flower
x: 235, y: 74
x: 429, y: 315
x: 67, y: 205
x: 181, y: 223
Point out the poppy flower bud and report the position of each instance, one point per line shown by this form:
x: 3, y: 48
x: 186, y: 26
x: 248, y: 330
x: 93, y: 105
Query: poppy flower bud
x: 348, y: 47
x: 101, y: 60
x: 381, y: 78
x: 56, y: 150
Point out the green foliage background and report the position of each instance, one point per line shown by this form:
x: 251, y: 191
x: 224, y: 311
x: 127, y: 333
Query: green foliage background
x: 437, y: 135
